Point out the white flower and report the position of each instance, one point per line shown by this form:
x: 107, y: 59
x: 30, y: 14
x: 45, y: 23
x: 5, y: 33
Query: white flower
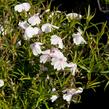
x: 30, y: 32
x: 57, y: 58
x: 59, y: 63
x: 78, y: 39
x: 36, y: 48
x: 68, y: 93
x: 48, y: 27
x: 54, y: 89
x: 50, y: 53
x: 56, y: 40
x: 22, y: 7
x: 73, y: 68
x: 67, y: 97
x: 34, y: 20
x: 56, y: 53
x: 18, y: 43
x: 1, y: 83
x: 72, y: 16
x: 53, y: 98
x: 45, y: 56
x: 26, y: 6
x: 18, y: 8
x: 23, y: 25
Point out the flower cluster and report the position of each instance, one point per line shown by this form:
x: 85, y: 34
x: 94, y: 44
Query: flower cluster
x: 67, y: 94
x: 22, y: 7
x: 33, y: 27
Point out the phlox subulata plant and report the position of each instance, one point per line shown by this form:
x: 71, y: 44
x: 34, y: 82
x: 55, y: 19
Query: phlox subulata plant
x: 48, y: 58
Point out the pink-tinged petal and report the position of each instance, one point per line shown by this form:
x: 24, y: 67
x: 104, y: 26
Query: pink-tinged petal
x: 34, y: 20
x: 26, y: 6
x: 36, y: 48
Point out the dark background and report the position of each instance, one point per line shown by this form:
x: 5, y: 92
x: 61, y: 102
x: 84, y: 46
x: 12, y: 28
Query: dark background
x: 80, y: 6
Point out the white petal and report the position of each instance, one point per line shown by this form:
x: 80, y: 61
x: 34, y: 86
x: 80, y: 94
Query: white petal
x: 18, y: 8
x: 46, y: 52
x: 72, y: 16
x: 46, y: 28
x: 44, y: 58
x: 18, y: 43
x: 78, y: 39
x: 1, y: 83
x: 53, y: 98
x: 36, y: 49
x: 79, y: 90
x: 67, y: 97
x: 56, y: 53
x: 22, y: 7
x: 61, y: 45
x: 36, y: 30
x: 57, y: 66
x: 26, y: 6
x: 23, y: 25
x: 56, y: 40
x: 54, y: 89
x: 34, y: 20
x: 73, y: 68
x: 30, y: 32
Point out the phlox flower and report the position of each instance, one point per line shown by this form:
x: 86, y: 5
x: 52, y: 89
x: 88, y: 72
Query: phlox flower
x: 72, y: 16
x: 56, y: 53
x: 18, y: 43
x: 36, y: 48
x: 23, y: 25
x: 73, y: 68
x: 54, y: 89
x: 50, y: 53
x: 48, y: 27
x: 56, y: 56
x: 34, y: 20
x: 59, y: 63
x: 78, y: 39
x: 45, y: 56
x: 1, y: 83
x: 68, y: 93
x: 53, y: 98
x: 22, y: 7
x: 30, y: 32
x: 56, y: 40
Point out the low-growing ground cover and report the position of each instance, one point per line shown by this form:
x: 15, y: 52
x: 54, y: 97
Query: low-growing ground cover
x: 50, y: 59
